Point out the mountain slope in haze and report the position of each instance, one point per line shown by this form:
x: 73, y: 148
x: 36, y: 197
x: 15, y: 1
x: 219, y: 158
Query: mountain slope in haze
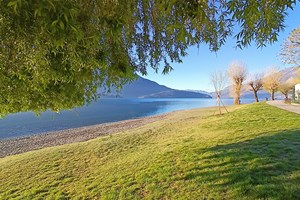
x: 199, y: 91
x: 144, y: 88
x: 290, y: 73
x: 177, y: 94
x: 246, y: 94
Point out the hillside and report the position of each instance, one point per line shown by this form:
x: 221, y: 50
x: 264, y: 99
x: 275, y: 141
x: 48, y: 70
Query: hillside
x: 250, y: 153
x: 144, y: 88
x: 290, y: 72
x: 177, y: 94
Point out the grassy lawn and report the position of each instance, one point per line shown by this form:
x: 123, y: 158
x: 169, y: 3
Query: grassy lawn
x: 253, y: 152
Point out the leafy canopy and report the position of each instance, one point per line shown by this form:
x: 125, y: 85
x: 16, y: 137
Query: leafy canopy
x: 55, y: 53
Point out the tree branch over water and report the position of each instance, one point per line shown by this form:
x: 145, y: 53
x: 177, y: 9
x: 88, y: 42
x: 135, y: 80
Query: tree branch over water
x: 54, y: 54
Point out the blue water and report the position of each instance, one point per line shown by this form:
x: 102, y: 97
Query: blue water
x: 102, y: 111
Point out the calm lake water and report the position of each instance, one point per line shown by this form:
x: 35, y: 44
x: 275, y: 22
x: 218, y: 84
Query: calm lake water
x: 102, y: 111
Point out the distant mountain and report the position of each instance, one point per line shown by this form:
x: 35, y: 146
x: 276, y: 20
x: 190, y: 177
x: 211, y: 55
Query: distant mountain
x: 177, y: 94
x: 262, y: 94
x: 144, y: 88
x: 199, y: 91
x: 290, y: 72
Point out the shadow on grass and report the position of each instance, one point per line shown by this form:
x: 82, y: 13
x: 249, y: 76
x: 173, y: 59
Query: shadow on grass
x: 263, y: 168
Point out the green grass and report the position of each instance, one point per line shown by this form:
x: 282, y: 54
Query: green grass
x: 253, y: 152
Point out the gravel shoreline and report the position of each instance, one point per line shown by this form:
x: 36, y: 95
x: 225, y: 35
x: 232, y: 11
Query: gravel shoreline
x: 28, y: 143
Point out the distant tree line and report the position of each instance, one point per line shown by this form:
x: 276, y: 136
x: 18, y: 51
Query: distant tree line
x: 272, y: 80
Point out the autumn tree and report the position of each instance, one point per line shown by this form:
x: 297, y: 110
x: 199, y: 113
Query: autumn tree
x: 237, y: 73
x: 219, y: 80
x: 255, y: 84
x: 285, y: 87
x: 290, y: 52
x: 271, y: 81
x: 54, y: 54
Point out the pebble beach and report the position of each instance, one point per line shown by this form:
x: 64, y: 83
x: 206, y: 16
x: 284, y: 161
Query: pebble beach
x: 19, y: 145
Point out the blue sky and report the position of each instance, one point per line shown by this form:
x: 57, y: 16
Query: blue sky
x: 197, y: 66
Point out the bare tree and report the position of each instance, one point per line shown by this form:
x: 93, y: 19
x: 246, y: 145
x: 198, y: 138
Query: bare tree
x: 285, y: 87
x: 255, y: 84
x: 271, y: 81
x: 219, y: 80
x: 237, y: 73
x: 290, y: 52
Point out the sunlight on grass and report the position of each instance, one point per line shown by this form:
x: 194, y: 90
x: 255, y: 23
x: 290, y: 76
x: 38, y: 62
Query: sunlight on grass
x: 250, y: 153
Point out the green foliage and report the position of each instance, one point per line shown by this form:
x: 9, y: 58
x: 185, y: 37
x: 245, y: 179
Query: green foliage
x: 55, y: 53
x: 250, y: 153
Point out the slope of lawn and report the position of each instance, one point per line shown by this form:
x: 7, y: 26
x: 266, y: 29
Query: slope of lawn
x: 253, y: 152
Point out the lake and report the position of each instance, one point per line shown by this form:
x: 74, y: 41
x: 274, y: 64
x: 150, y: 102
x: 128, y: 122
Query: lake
x: 103, y: 111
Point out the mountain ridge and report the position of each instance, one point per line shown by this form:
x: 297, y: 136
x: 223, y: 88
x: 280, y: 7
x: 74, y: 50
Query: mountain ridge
x: 145, y: 88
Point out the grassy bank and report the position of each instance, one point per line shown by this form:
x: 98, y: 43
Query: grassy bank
x: 253, y: 152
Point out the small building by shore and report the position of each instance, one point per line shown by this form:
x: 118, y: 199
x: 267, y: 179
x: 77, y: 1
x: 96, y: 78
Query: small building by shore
x: 296, y: 92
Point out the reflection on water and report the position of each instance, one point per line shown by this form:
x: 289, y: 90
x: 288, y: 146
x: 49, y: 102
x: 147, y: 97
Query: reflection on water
x: 105, y: 110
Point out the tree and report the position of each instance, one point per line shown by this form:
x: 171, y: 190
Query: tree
x: 290, y: 52
x: 271, y: 81
x: 255, y: 84
x: 218, y: 79
x: 237, y: 73
x: 54, y: 54
x: 285, y: 87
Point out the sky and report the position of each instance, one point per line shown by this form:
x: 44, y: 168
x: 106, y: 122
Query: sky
x: 194, y: 72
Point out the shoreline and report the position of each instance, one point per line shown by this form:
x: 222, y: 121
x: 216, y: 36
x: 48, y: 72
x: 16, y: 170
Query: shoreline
x: 22, y: 144
x: 18, y: 145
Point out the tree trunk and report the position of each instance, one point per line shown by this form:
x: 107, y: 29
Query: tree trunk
x: 255, y: 95
x: 272, y: 96
x: 237, y: 93
x: 219, y: 104
x: 286, y: 97
x: 236, y: 100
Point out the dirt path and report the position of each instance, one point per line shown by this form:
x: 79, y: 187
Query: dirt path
x: 284, y: 106
x: 23, y: 144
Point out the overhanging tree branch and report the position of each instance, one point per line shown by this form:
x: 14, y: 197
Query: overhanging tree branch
x: 54, y: 54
